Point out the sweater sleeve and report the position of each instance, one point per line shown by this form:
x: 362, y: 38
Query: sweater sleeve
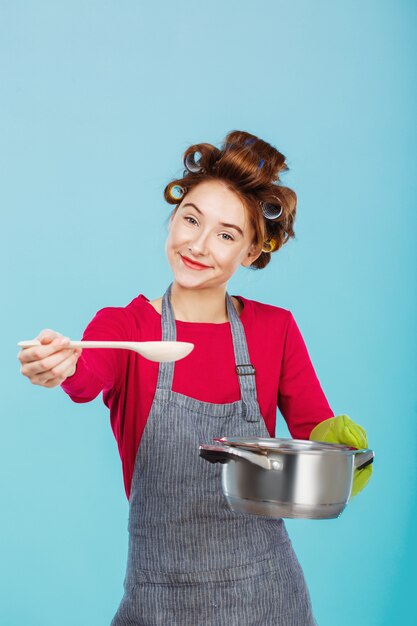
x: 99, y: 369
x: 301, y: 399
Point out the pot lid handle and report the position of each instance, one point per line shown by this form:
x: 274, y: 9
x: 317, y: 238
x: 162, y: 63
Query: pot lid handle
x: 215, y: 454
x: 223, y: 454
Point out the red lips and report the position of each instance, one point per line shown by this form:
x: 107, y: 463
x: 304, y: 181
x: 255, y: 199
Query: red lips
x: 193, y: 264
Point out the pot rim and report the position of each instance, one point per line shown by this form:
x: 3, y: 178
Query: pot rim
x: 287, y: 446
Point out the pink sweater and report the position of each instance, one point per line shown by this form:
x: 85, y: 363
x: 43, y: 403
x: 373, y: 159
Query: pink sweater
x: 285, y: 376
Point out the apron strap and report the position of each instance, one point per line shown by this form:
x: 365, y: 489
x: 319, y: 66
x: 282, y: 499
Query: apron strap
x: 244, y: 369
x: 169, y: 333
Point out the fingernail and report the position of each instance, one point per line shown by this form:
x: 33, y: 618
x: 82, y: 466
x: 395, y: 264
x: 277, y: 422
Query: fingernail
x: 64, y: 340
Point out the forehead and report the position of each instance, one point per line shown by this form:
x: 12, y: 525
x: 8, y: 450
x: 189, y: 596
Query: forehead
x: 215, y: 200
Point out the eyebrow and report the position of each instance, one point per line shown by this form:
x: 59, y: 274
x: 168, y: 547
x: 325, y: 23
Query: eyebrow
x: 239, y: 230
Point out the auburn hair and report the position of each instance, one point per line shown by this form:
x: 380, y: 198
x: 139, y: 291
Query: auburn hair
x: 250, y: 167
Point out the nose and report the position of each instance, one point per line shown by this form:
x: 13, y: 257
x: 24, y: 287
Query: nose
x: 199, y: 243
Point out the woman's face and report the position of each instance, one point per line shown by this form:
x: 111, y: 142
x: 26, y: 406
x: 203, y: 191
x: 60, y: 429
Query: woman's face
x: 209, y: 237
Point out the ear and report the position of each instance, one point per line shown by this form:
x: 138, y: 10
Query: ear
x: 251, y: 256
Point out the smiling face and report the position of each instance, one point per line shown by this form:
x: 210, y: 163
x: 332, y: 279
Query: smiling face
x: 210, y: 236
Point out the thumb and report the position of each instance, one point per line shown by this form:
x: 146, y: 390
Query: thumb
x: 350, y: 433
x: 47, y: 335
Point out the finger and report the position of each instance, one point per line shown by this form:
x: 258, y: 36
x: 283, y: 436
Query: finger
x: 361, y: 479
x: 37, y: 353
x: 54, y: 382
x: 42, y: 366
x: 62, y: 369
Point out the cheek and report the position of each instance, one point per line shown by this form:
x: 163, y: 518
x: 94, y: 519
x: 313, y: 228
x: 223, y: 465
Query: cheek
x: 229, y: 258
x: 168, y: 242
x: 171, y: 244
x: 174, y: 236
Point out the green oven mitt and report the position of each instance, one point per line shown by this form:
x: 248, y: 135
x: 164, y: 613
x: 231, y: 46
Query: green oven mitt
x: 342, y: 430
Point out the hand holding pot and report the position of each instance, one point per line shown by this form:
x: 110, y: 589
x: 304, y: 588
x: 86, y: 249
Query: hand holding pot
x: 342, y: 430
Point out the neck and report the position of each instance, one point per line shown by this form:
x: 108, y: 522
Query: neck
x: 199, y: 305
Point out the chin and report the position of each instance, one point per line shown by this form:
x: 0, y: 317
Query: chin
x: 190, y: 282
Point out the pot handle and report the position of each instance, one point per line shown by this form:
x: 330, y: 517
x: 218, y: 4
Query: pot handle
x: 215, y: 454
x: 363, y: 458
x: 223, y: 454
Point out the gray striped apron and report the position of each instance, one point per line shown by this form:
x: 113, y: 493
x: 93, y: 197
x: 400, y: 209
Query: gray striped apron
x: 192, y: 561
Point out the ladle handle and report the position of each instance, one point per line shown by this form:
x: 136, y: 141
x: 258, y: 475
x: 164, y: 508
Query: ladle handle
x: 82, y: 344
x: 101, y: 344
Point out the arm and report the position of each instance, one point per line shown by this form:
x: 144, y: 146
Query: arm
x: 305, y: 408
x: 98, y: 370
x: 301, y: 399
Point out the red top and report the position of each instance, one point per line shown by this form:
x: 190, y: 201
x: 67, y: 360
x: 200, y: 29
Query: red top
x: 285, y: 376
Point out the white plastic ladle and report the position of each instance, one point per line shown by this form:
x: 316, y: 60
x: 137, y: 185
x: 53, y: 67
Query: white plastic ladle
x: 153, y: 350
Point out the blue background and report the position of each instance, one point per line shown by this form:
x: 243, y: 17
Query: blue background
x: 99, y: 101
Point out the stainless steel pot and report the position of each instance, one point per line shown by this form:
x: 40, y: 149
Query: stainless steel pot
x: 286, y: 477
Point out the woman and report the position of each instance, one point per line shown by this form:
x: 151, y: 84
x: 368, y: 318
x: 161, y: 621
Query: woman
x: 191, y: 560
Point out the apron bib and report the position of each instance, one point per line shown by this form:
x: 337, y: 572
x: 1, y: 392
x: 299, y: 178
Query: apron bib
x: 192, y: 561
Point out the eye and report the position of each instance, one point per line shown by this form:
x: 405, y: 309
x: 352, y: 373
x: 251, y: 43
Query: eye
x: 190, y: 220
x: 226, y: 237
